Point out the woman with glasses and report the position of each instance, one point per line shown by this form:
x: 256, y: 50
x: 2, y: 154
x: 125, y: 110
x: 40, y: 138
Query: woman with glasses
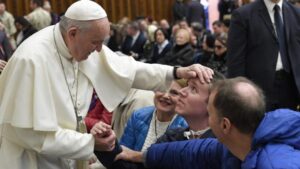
x: 218, y: 61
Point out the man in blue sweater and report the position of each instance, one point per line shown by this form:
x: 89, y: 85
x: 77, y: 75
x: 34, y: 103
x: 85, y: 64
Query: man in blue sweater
x: 236, y: 116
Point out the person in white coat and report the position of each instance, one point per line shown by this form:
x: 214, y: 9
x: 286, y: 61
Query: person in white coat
x: 46, y: 90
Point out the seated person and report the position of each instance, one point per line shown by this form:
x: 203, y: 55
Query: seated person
x: 208, y: 51
x: 191, y: 105
x: 134, y: 41
x: 237, y: 117
x: 162, y: 45
x: 218, y: 60
x: 182, y: 53
x: 134, y: 100
x: 97, y: 113
x: 147, y: 124
x: 24, y: 28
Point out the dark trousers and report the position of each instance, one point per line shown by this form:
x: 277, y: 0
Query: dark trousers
x: 284, y: 93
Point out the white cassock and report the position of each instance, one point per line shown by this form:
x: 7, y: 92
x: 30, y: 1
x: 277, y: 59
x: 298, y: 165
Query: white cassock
x: 36, y: 110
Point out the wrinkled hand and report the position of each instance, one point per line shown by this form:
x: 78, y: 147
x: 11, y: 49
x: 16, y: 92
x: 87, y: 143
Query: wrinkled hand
x: 101, y: 129
x: 196, y: 70
x: 2, y: 65
x: 92, y: 160
x: 105, y: 137
x: 105, y: 142
x: 130, y: 155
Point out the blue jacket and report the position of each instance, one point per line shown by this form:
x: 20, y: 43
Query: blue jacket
x: 138, y: 125
x: 275, y: 145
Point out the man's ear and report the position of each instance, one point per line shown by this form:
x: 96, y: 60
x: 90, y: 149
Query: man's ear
x: 226, y: 125
x: 72, y: 32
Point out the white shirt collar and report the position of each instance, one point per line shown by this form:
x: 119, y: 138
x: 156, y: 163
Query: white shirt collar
x: 164, y: 44
x: 194, y: 134
x: 61, y: 45
x: 136, y: 36
x: 270, y: 5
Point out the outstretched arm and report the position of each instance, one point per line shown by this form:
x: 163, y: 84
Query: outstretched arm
x: 200, y: 154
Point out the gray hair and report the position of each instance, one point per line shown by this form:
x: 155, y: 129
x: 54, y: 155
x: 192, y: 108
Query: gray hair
x: 66, y: 23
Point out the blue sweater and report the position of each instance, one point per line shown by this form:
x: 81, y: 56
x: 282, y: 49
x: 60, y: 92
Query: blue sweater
x: 138, y: 125
x: 275, y: 145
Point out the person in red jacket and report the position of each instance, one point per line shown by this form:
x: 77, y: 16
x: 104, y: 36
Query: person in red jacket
x: 97, y: 112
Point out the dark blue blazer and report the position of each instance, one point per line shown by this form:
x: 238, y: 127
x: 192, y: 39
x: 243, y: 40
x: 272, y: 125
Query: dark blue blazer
x: 137, y: 47
x: 196, y: 13
x: 156, y: 55
x: 253, y: 46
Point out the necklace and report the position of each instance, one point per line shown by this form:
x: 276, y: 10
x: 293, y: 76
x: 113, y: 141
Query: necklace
x: 74, y: 101
x: 155, y: 124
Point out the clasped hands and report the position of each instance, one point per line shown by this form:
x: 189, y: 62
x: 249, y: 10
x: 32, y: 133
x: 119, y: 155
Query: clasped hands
x: 105, y: 137
x: 105, y: 140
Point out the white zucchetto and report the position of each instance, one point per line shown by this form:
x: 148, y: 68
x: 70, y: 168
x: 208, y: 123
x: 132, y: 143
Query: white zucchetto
x: 85, y: 10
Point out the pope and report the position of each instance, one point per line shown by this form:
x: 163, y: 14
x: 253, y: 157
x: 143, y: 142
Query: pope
x: 47, y: 86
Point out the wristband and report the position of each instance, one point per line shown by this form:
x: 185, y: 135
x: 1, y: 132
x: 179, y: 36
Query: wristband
x: 175, y: 72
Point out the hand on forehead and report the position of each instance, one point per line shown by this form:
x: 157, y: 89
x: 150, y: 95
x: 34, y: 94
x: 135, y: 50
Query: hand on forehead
x: 195, y: 80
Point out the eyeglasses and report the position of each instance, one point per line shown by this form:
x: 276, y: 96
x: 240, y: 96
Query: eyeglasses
x: 218, y: 47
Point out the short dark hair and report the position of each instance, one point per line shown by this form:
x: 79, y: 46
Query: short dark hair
x: 226, y: 22
x: 217, y: 76
x: 38, y: 2
x: 197, y: 26
x: 218, y: 23
x: 222, y: 39
x: 134, y: 25
x: 244, y: 112
x: 22, y: 21
x: 210, y: 40
x: 165, y: 33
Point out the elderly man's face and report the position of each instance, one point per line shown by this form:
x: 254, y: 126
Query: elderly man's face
x: 83, y: 43
x: 192, y: 101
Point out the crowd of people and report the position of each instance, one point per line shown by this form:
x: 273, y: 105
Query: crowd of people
x: 15, y: 29
x: 77, y: 91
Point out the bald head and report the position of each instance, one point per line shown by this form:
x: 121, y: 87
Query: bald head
x: 241, y: 101
x: 164, y: 24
